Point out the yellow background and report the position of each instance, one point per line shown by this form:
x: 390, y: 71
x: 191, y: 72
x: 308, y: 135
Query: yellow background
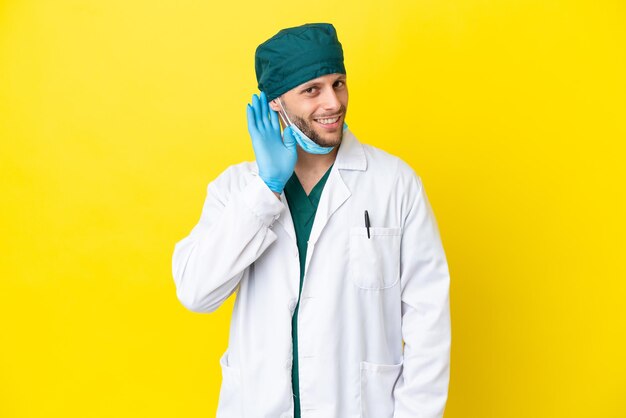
x: 115, y: 115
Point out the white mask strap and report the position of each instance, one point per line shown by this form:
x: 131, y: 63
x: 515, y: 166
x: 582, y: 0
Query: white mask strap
x: 284, y: 115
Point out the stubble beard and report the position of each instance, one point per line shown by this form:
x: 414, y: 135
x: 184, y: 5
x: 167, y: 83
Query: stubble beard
x: 307, y: 129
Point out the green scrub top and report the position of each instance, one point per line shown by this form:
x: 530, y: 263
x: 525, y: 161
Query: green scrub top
x: 302, y: 208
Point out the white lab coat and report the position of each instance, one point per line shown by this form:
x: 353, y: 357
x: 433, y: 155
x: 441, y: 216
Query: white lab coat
x: 361, y: 297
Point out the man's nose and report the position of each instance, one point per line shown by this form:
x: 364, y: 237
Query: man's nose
x: 330, y: 101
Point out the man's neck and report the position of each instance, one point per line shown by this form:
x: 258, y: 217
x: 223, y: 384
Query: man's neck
x: 314, y: 163
x: 310, y: 168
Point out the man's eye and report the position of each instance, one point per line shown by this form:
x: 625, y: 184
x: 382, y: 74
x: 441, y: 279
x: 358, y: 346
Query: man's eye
x: 339, y: 83
x: 309, y: 90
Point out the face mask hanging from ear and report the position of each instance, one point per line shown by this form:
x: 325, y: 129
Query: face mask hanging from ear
x: 304, y: 141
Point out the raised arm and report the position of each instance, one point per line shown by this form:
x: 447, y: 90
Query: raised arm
x: 233, y: 231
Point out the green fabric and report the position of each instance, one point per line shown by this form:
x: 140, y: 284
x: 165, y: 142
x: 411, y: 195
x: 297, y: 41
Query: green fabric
x: 303, y: 209
x: 296, y: 55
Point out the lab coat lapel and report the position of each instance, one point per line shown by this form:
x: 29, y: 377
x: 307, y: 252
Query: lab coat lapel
x: 350, y: 156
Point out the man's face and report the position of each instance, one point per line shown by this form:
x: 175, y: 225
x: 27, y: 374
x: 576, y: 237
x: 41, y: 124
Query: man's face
x: 318, y: 107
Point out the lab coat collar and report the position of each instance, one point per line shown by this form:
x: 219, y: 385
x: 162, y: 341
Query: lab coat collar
x: 350, y: 155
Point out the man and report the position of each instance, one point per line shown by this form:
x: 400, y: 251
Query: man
x: 331, y: 245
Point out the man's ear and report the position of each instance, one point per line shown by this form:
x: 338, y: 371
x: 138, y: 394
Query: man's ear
x: 274, y: 105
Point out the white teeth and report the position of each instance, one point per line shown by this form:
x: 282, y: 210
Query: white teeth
x: 328, y: 121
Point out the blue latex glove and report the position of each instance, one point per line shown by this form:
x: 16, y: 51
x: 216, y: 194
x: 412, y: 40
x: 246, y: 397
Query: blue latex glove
x: 276, y: 158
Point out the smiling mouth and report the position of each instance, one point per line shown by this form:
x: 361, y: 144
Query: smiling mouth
x: 328, y: 122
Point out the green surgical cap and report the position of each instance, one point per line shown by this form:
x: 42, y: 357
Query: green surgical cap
x: 296, y: 55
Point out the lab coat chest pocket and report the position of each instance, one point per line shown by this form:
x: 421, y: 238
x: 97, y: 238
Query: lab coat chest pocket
x: 230, y: 402
x: 377, y: 385
x: 375, y: 261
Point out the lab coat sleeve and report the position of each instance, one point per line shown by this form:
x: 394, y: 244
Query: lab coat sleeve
x: 422, y: 389
x: 233, y: 231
